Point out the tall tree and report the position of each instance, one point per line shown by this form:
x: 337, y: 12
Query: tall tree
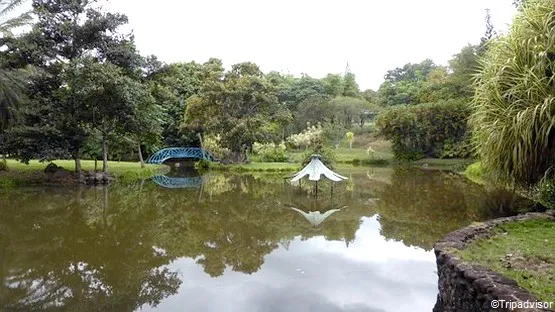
x: 66, y: 31
x: 9, y: 23
x: 350, y: 86
x: 334, y: 85
x: 235, y: 108
x: 12, y: 82
x: 104, y: 99
x: 489, y: 34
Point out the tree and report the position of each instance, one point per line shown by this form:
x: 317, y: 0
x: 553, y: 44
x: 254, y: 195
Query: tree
x: 402, y: 85
x: 514, y: 103
x: 350, y: 86
x: 173, y: 86
x: 12, y: 82
x: 519, y: 4
x: 347, y: 110
x: 103, y: 98
x: 351, y: 138
x: 334, y: 85
x: 66, y: 31
x: 300, y: 90
x: 7, y: 24
x: 313, y: 110
x: 464, y: 67
x: 490, y: 33
x: 234, y: 108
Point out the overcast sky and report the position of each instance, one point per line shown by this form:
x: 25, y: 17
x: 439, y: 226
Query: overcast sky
x: 311, y: 36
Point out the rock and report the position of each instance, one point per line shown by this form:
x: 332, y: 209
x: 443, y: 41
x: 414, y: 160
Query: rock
x: 52, y: 168
x: 96, y: 178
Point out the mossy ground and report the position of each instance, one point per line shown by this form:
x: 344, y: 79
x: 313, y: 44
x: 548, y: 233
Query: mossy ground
x: 523, y: 251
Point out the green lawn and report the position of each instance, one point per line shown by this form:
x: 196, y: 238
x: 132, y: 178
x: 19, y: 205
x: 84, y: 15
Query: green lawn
x: 33, y: 173
x: 523, y: 251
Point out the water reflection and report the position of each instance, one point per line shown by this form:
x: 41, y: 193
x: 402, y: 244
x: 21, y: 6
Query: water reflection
x: 178, y: 182
x: 315, y: 217
x: 183, y: 175
x: 126, y: 247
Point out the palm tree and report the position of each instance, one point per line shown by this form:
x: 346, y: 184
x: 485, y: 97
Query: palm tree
x: 12, y: 82
x: 7, y: 24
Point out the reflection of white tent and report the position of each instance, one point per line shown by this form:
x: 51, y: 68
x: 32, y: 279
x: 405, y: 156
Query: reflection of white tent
x: 315, y: 169
x: 315, y: 217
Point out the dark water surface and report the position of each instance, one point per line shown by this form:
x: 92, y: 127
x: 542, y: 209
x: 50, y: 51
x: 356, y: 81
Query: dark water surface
x: 225, y: 242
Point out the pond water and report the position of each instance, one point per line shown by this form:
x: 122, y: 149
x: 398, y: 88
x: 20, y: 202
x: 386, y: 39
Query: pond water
x: 228, y: 242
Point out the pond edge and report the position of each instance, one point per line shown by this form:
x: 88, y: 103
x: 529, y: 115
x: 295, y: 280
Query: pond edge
x: 466, y: 287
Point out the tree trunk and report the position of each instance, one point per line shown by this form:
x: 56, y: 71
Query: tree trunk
x: 78, y: 168
x: 350, y: 144
x: 200, y: 139
x: 141, y: 155
x: 104, y: 154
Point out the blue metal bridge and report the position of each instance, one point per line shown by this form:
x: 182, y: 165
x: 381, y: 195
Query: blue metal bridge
x: 179, y: 152
x: 175, y: 182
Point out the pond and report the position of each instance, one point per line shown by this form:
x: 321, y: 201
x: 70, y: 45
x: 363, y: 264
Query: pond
x: 236, y: 242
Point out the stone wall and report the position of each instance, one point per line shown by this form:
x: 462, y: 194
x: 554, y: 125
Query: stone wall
x: 464, y: 287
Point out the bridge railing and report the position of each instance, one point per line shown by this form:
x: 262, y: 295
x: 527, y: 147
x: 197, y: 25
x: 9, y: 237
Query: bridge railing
x: 179, y: 153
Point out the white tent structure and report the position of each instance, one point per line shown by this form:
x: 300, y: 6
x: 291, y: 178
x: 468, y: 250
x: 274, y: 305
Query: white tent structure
x: 315, y: 169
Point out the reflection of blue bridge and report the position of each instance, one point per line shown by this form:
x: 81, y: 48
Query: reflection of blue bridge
x: 176, y: 182
x: 179, y: 152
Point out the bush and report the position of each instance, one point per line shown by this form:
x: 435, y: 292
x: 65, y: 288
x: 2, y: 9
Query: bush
x: 547, y: 192
x: 3, y: 165
x: 202, y: 165
x: 212, y: 145
x: 375, y: 162
x: 310, y: 137
x: 327, y: 155
x: 270, y: 152
x: 436, y: 130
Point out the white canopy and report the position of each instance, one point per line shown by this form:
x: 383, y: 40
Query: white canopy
x: 315, y: 169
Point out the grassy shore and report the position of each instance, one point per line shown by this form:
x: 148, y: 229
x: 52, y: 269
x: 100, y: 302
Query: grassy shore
x: 19, y: 174
x: 523, y: 251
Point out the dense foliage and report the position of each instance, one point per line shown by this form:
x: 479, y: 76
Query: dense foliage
x: 433, y: 130
x: 514, y: 103
x: 80, y: 89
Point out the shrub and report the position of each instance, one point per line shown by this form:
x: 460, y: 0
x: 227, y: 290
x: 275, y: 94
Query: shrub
x: 547, y: 192
x: 379, y: 162
x: 310, y: 137
x: 202, y: 165
x: 432, y: 130
x: 3, y: 165
x: 212, y: 145
x: 270, y: 152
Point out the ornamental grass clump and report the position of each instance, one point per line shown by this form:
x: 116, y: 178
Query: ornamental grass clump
x: 514, y: 104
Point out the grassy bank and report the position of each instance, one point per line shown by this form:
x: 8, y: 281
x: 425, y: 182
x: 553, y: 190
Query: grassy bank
x: 523, y: 251
x: 20, y: 174
x: 258, y: 167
